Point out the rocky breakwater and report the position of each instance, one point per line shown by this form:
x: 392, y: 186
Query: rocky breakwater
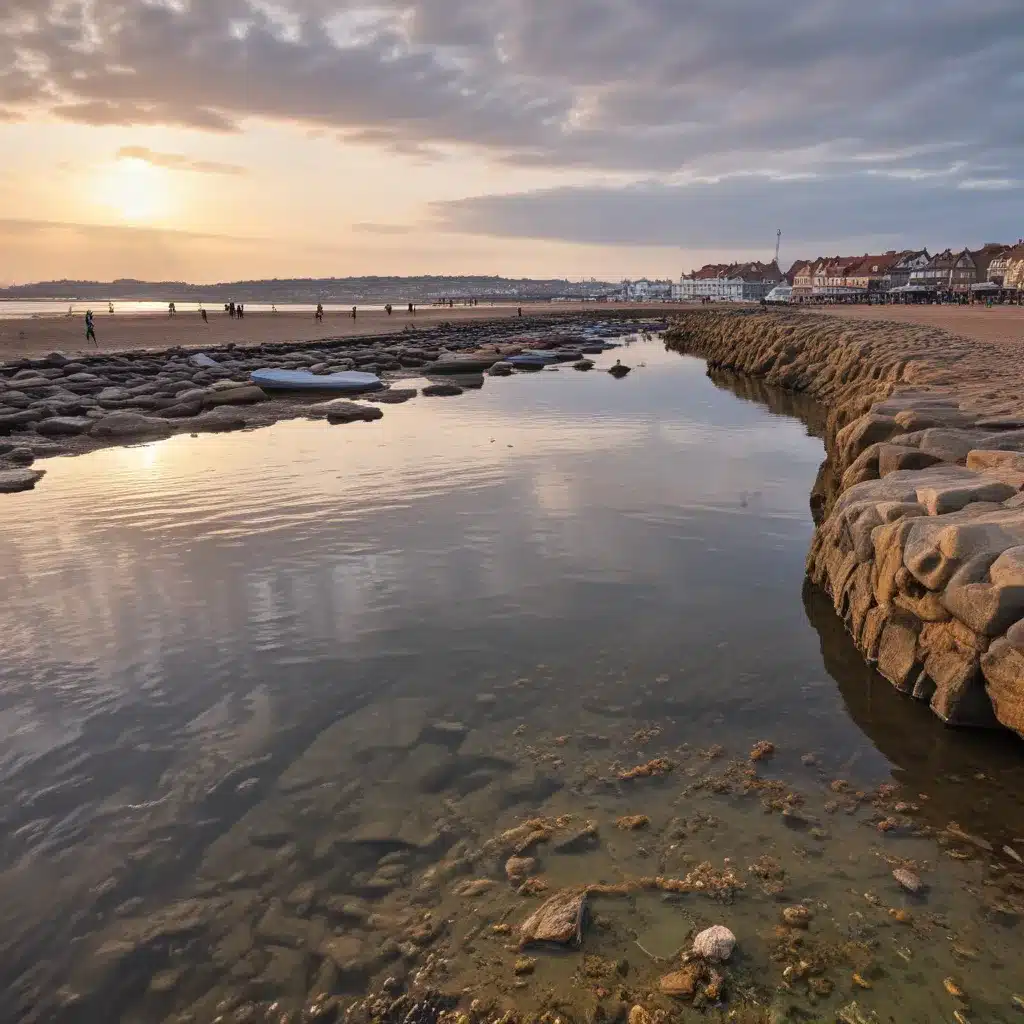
x: 920, y: 503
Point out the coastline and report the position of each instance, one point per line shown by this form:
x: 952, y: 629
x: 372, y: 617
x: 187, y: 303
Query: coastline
x: 68, y: 404
x: 920, y: 503
x: 34, y: 337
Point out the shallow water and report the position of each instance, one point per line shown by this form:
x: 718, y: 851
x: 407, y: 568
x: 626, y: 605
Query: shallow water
x: 267, y: 697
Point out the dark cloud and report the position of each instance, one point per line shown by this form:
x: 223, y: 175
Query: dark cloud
x: 863, y: 211
x: 644, y: 88
x: 178, y: 162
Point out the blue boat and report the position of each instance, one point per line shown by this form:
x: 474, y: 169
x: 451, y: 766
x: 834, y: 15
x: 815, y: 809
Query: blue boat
x: 347, y: 382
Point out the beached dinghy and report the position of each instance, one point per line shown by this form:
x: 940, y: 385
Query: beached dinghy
x: 347, y: 382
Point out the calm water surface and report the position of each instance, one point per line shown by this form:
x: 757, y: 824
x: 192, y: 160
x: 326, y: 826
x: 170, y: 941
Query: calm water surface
x: 266, y: 700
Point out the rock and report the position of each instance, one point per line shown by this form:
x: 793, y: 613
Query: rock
x: 525, y: 965
x: 632, y: 822
x: 473, y: 887
x: 519, y: 868
x: 683, y: 984
x: 583, y: 364
x: 216, y: 421
x: 618, y: 371
x: 14, y: 480
x: 578, y: 842
x: 501, y: 369
x: 797, y: 917
x: 464, y: 364
x: 638, y: 1015
x: 341, y: 410
x: 20, y: 456
x: 392, y: 396
x: 908, y: 880
x: 560, y: 919
x: 715, y: 943
x: 247, y: 394
x: 64, y: 426
x: 441, y: 390
x: 130, y: 424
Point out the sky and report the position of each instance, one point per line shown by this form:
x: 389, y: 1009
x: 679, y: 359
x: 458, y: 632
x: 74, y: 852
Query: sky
x: 210, y: 140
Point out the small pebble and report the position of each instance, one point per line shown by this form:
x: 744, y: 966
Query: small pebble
x: 952, y: 988
x: 861, y: 982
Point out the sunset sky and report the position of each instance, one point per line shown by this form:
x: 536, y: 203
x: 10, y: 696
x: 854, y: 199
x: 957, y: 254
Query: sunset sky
x: 221, y: 139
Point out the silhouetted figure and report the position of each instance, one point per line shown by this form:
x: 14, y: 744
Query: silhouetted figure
x: 240, y: 310
x: 90, y: 329
x: 202, y: 313
x: 410, y: 309
x: 110, y: 308
x: 319, y: 312
x: 353, y: 312
x: 170, y: 309
x: 231, y: 310
x: 387, y: 309
x: 520, y: 310
x: 273, y: 309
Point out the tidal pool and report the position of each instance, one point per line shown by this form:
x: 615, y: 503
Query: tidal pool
x: 271, y: 701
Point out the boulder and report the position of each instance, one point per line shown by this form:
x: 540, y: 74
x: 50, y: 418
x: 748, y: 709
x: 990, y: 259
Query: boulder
x: 130, y: 424
x: 501, y: 369
x: 464, y: 364
x: 583, y: 364
x: 216, y: 421
x: 14, y: 480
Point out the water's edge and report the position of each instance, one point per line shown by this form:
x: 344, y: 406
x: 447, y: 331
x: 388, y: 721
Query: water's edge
x: 919, y: 514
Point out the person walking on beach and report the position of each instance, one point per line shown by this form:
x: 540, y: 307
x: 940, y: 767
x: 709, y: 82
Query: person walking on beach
x: 240, y: 310
x: 110, y: 308
x: 202, y: 313
x: 231, y: 310
x: 353, y: 312
x: 520, y: 311
x: 90, y: 328
x: 319, y: 312
x: 170, y: 309
x: 411, y: 311
x: 387, y: 309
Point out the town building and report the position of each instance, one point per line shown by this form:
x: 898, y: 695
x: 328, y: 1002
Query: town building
x: 909, y: 261
x: 645, y: 290
x: 734, y: 282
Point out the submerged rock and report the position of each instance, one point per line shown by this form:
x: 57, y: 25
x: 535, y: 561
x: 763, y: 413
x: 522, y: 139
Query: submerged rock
x: 559, y: 920
x: 14, y: 480
x: 683, y: 984
x: 130, y: 424
x: 715, y: 943
x: 618, y: 371
x: 908, y: 880
x: 341, y: 410
x: 441, y: 390
x: 392, y: 396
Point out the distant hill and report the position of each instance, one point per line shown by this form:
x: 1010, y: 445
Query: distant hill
x: 342, y: 290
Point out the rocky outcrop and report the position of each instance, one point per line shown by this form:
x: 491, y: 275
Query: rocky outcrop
x: 920, y: 504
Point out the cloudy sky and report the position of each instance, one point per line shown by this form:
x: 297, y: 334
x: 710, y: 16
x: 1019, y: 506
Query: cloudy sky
x: 218, y: 139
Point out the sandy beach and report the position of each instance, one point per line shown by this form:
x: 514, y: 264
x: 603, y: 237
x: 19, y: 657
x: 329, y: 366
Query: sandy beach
x: 999, y: 324
x: 118, y: 333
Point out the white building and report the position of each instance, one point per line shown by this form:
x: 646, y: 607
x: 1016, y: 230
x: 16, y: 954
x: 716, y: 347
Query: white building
x: 645, y: 290
x: 729, y: 282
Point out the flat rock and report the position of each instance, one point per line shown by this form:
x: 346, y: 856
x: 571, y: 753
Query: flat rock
x: 392, y: 396
x: 341, y: 410
x: 559, y: 919
x: 64, y: 426
x: 216, y: 421
x: 247, y: 394
x: 441, y: 390
x: 14, y: 480
x: 464, y: 364
x: 130, y: 424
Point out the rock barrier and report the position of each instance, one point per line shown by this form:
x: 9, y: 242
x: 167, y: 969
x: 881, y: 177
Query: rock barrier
x: 919, y: 506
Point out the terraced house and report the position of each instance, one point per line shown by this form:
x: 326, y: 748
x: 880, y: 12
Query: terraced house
x: 732, y: 282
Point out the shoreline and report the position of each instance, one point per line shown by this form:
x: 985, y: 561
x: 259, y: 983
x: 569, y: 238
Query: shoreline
x: 919, y: 506
x: 34, y: 337
x: 68, y: 405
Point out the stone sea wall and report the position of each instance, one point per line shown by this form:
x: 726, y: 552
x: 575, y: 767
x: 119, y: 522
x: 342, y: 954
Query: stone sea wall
x: 920, y: 503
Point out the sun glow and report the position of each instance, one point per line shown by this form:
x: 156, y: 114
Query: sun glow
x: 137, y: 191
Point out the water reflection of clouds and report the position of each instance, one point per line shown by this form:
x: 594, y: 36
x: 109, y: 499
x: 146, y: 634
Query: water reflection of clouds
x: 182, y: 566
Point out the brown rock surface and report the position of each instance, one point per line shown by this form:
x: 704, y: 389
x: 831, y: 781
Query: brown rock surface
x: 921, y: 543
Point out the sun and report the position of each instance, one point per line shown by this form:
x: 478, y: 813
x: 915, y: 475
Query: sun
x: 137, y: 191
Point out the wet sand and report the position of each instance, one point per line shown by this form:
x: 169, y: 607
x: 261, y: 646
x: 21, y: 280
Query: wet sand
x: 1000, y: 324
x: 38, y: 336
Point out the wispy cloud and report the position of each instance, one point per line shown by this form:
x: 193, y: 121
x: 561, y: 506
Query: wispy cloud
x: 382, y: 229
x: 178, y: 162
